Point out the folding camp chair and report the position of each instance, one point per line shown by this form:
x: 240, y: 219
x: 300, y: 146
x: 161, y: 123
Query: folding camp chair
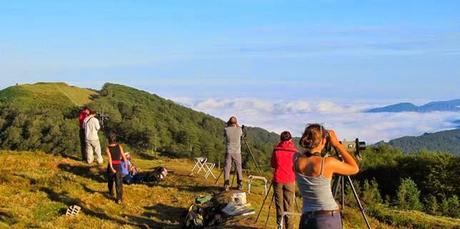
x: 251, y: 178
x: 209, y: 167
x: 199, y: 164
x: 202, y: 164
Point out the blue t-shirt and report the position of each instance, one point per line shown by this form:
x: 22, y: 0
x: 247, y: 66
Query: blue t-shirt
x: 124, y: 170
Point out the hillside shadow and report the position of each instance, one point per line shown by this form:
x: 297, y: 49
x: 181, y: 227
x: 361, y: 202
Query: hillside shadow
x: 7, y: 218
x: 75, y: 158
x: 193, y: 188
x: 239, y: 227
x: 131, y: 220
x: 82, y: 171
x: 68, y: 201
x: 92, y: 191
x: 143, y: 222
x: 165, y: 213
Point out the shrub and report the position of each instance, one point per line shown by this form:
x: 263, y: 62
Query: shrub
x: 371, y: 194
x: 431, y: 204
x: 408, y: 195
x: 454, y: 206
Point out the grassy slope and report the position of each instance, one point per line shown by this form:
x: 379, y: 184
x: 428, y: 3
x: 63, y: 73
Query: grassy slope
x: 37, y: 188
x: 54, y: 94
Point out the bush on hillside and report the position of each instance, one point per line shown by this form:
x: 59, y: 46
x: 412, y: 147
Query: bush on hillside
x: 408, y: 196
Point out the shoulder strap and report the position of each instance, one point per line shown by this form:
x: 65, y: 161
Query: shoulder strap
x: 89, y: 119
x: 322, y: 166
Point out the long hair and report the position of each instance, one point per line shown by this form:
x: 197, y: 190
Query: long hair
x: 232, y: 121
x: 312, y: 136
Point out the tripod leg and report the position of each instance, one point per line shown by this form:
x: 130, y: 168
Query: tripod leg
x: 263, y: 203
x: 269, y: 208
x: 252, y: 155
x: 342, y: 184
x: 359, y: 202
x: 217, y: 179
x: 335, y: 185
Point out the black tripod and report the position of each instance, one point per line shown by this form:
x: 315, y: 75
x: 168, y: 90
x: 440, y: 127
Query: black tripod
x: 271, y: 203
x: 338, y: 184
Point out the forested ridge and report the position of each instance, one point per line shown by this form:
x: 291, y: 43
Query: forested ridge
x: 43, y: 116
x: 446, y: 141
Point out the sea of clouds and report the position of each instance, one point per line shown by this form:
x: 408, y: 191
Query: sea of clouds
x: 349, y: 120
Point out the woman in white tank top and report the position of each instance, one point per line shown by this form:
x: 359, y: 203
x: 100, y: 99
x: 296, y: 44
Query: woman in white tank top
x: 314, y: 173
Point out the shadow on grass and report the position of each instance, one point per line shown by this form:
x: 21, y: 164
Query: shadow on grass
x: 165, y: 213
x: 105, y: 194
x: 240, y: 227
x: 69, y: 156
x: 63, y: 198
x: 131, y: 220
x: 144, y: 222
x: 83, y: 171
x: 193, y: 188
x: 7, y: 218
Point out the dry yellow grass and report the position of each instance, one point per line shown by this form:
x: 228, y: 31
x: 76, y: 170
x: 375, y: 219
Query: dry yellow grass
x: 37, y: 188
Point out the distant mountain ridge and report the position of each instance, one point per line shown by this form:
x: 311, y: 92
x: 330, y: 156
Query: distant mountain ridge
x: 445, y: 141
x: 450, y: 105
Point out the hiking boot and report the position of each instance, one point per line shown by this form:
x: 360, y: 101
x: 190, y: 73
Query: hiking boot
x: 240, y: 186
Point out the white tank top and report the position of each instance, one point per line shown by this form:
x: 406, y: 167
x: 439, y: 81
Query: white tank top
x: 316, y: 191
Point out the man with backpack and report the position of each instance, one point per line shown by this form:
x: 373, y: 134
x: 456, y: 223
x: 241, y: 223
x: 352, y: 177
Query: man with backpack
x: 92, y: 126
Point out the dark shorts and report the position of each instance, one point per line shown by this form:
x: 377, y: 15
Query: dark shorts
x: 321, y: 222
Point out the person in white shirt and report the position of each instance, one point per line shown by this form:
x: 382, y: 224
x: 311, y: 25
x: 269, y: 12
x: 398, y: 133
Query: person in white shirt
x: 91, y: 125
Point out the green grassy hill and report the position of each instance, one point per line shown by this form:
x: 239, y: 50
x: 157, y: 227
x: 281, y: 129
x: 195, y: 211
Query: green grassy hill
x: 45, y: 96
x: 37, y: 188
x: 43, y: 116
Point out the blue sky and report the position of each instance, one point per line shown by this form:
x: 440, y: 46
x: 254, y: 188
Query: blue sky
x: 348, y: 51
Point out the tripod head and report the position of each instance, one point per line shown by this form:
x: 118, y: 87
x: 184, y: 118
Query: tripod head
x: 355, y: 147
x: 245, y: 133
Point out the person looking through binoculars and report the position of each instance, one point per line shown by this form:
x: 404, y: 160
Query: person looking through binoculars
x: 314, y: 173
x: 232, y: 135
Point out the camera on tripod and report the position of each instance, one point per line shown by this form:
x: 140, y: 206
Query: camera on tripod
x: 103, y: 118
x: 354, y: 147
x: 245, y: 133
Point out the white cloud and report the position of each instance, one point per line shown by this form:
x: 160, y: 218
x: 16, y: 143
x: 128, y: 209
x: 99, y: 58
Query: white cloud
x: 348, y: 120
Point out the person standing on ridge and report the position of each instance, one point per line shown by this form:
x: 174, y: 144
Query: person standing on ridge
x: 232, y: 135
x: 115, y: 167
x: 81, y: 118
x: 92, y: 126
x: 284, y: 178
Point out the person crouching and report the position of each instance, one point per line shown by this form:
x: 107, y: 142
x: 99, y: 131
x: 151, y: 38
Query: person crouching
x: 284, y: 178
x: 115, y: 154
